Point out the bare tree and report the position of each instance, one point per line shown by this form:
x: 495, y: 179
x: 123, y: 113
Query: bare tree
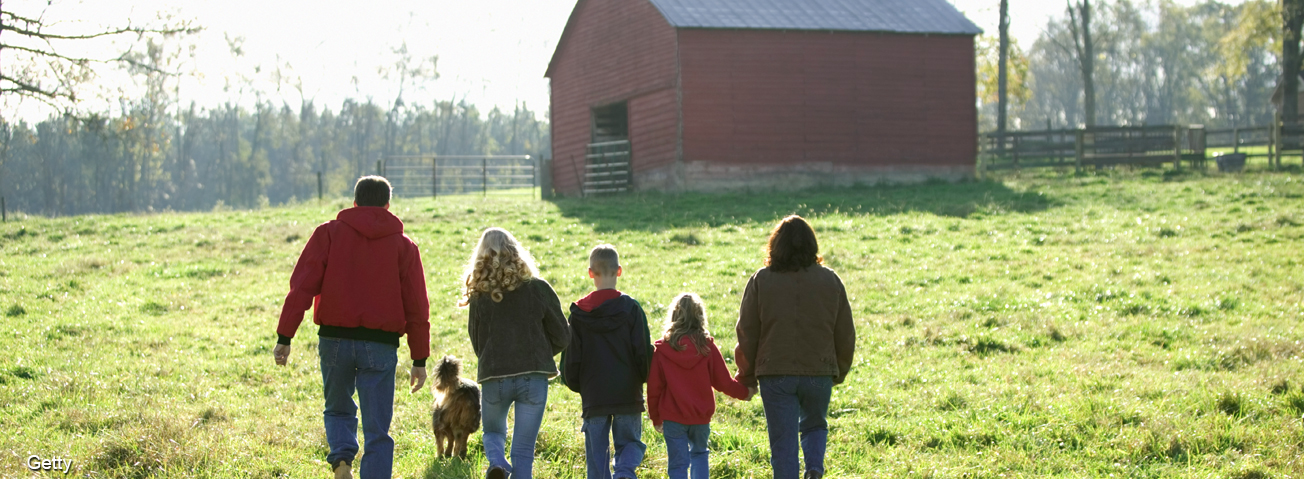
x: 1080, y: 28
x: 42, y: 72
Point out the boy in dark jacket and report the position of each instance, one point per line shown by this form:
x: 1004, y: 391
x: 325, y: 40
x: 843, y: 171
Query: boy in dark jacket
x: 607, y: 362
x: 363, y: 277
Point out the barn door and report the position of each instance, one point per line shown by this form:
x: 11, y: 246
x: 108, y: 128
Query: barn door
x: 608, y: 164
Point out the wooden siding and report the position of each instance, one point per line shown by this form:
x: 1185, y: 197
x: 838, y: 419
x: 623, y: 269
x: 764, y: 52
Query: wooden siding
x: 854, y: 99
x: 612, y: 51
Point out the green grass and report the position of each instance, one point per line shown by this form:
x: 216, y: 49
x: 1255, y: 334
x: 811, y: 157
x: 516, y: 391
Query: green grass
x: 1127, y: 323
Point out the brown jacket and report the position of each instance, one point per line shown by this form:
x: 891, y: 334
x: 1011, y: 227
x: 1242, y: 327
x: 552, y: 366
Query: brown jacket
x: 795, y: 324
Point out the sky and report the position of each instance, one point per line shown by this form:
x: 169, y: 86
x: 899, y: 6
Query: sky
x: 491, y: 52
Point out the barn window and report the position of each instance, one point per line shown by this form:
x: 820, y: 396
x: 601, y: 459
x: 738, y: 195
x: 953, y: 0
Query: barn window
x: 611, y: 123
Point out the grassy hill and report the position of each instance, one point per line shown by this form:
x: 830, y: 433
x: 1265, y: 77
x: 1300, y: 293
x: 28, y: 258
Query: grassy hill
x: 1135, y: 324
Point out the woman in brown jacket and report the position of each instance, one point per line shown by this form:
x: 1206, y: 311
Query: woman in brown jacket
x: 796, y: 339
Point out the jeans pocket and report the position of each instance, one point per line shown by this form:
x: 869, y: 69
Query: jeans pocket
x: 380, y: 357
x: 328, y: 349
x: 536, y: 390
x: 491, y: 391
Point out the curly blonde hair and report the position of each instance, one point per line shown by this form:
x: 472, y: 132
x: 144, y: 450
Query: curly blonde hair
x: 687, y: 318
x: 498, y: 264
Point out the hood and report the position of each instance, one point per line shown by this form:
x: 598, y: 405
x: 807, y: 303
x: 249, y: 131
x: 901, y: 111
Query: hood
x: 371, y: 221
x: 606, y: 317
x: 687, y: 359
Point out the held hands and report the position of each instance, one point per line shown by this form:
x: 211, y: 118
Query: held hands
x: 751, y: 393
x: 282, y: 354
x: 660, y: 428
x: 417, y: 378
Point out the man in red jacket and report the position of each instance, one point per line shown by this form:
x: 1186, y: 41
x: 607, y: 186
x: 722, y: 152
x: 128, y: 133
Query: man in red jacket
x: 364, y: 280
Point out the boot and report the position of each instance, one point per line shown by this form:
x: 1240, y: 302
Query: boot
x: 342, y: 470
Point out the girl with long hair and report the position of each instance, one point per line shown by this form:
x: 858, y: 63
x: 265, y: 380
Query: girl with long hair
x: 516, y: 327
x: 686, y: 366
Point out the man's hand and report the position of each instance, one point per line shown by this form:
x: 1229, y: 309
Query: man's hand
x: 751, y: 393
x: 282, y: 354
x: 417, y: 378
x: 661, y: 428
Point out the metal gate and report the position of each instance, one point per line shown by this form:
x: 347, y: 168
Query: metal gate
x: 434, y: 175
x: 607, y: 168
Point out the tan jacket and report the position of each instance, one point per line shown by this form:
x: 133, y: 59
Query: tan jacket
x: 795, y: 324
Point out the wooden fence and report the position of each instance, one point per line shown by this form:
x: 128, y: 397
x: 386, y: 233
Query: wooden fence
x: 1135, y: 145
x: 1093, y: 147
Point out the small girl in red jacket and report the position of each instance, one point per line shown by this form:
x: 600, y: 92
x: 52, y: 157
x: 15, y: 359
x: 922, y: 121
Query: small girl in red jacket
x: 686, y: 365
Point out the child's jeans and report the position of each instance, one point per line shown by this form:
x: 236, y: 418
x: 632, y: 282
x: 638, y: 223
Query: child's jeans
x: 368, y: 367
x: 796, y: 404
x: 530, y: 393
x: 626, y: 431
x: 686, y: 445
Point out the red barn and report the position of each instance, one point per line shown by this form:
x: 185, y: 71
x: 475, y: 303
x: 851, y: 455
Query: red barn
x: 720, y: 94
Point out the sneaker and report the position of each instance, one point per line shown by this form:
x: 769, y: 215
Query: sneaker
x: 496, y: 473
x: 813, y: 474
x: 343, y: 470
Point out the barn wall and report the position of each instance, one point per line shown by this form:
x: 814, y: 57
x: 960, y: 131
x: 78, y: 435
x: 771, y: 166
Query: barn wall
x: 615, y: 50
x: 791, y: 108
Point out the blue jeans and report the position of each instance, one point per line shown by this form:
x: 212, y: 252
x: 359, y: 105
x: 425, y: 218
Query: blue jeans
x: 793, y: 404
x: 626, y: 431
x: 686, y: 445
x: 367, y: 367
x: 530, y: 394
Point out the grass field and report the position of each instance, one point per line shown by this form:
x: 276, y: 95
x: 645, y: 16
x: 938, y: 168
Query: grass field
x: 1122, y: 323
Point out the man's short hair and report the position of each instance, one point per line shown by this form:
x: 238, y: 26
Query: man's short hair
x: 604, y: 260
x: 372, y: 191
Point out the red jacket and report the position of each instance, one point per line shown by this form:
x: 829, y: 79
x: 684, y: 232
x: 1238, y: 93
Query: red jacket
x: 363, y: 278
x: 679, y: 386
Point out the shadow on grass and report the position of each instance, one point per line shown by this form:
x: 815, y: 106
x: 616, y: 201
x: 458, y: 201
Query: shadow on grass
x: 451, y: 468
x: 660, y: 211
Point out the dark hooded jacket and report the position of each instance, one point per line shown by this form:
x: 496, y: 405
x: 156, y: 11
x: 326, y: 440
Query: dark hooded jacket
x: 608, y: 358
x: 363, y: 278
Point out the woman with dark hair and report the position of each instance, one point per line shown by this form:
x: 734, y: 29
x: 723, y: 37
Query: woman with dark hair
x: 796, y: 339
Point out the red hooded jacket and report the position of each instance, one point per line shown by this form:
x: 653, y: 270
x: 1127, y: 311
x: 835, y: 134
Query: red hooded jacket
x: 679, y: 386
x: 363, y: 278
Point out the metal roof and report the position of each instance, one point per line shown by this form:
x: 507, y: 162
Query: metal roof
x: 903, y: 16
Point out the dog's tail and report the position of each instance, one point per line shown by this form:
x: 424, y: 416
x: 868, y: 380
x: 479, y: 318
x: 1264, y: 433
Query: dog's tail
x: 448, y: 370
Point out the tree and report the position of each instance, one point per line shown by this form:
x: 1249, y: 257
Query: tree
x: 1292, y: 16
x: 1080, y: 27
x: 1003, y: 74
x: 35, y: 65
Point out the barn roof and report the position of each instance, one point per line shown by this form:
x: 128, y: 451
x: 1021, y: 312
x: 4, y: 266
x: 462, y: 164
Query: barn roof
x: 900, y: 16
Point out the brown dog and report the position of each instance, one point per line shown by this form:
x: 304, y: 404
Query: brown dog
x: 457, y: 408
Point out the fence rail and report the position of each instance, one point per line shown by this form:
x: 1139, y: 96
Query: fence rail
x: 435, y: 175
x: 607, y: 168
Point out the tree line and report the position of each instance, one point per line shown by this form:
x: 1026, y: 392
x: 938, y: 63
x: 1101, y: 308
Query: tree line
x: 1124, y: 62
x: 153, y: 158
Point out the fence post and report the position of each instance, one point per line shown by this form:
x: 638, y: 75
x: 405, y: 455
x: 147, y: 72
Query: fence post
x: 1275, y: 154
x: 545, y: 179
x: 1177, y: 148
x: 1016, y: 153
x: 4, y: 212
x: 434, y: 177
x: 380, y: 171
x: 484, y: 175
x: 319, y: 187
x: 1078, y: 137
x: 1236, y: 140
